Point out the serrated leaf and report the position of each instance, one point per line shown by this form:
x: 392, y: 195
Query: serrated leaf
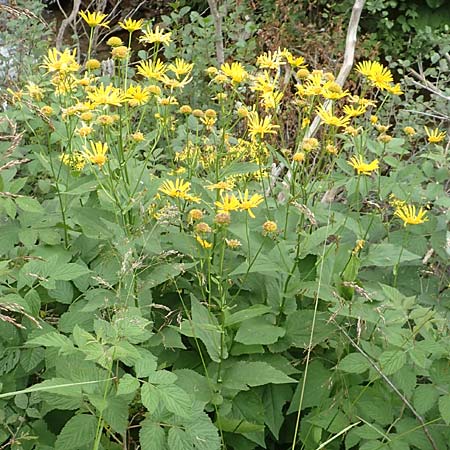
x: 385, y: 255
x: 116, y: 414
x: 258, y: 331
x: 245, y: 314
x: 202, y: 431
x: 52, y: 339
x: 178, y: 439
x: 152, y: 436
x: 232, y: 425
x: 444, y: 408
x: 77, y: 432
x: 392, y: 361
x: 127, y: 385
x: 425, y: 397
x: 275, y: 397
x: 150, y: 397
x: 69, y: 271
x: 175, y: 399
x: 354, y: 363
x: 242, y: 375
x: 30, y: 205
x: 204, y: 326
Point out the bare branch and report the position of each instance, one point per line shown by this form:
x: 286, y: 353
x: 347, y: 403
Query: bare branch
x: 218, y: 35
x: 349, y: 56
x: 66, y: 22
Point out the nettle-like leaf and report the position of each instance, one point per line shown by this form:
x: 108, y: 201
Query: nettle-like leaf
x: 204, y: 326
x: 79, y: 431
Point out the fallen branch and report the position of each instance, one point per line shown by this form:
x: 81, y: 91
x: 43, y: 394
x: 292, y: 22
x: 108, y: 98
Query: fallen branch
x: 218, y: 35
x: 349, y: 57
x: 66, y: 22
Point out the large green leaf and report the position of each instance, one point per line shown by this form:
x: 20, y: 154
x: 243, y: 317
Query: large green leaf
x: 77, y: 432
x: 385, y: 255
x: 354, y: 363
x: 152, y: 436
x: 245, y: 314
x: 444, y: 408
x: 178, y: 439
x: 391, y: 361
x: 242, y: 375
x: 258, y: 331
x: 204, y: 326
x: 175, y: 399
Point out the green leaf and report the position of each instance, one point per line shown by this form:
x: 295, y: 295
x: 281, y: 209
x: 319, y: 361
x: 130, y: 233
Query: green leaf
x: 179, y: 440
x: 150, y: 397
x: 258, y: 331
x: 232, y: 425
x: 444, y: 408
x: 385, y: 255
x: 69, y: 271
x: 204, y: 326
x: 152, y: 436
x: 299, y: 324
x: 242, y: 375
x: 392, y: 361
x: 30, y: 205
x: 78, y: 431
x: 116, y: 414
x: 245, y: 314
x: 274, y: 398
x: 52, y: 339
x: 175, y: 399
x: 425, y: 397
x: 354, y: 363
x: 127, y: 385
x: 146, y: 364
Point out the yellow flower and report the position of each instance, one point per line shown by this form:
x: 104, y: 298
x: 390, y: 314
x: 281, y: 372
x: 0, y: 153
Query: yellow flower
x: 333, y: 91
x: 152, y: 69
x: 180, y: 67
x: 259, y: 127
x: 194, y: 215
x: 435, y: 136
x: 410, y: 131
x: 395, y: 89
x: 120, y: 52
x: 233, y: 243
x: 378, y: 75
x: 63, y: 62
x: 361, y: 167
x: 228, y: 203
x: 309, y: 144
x: 84, y: 131
x: 108, y: 95
x: 202, y: 228
x: 47, y: 110
x: 328, y: 118
x: 96, y: 154
x: 408, y: 214
x: 75, y: 161
x: 351, y: 111
x: 136, y: 95
x: 177, y: 189
x: 373, y: 119
x: 157, y: 36
x: 246, y: 203
x: 106, y: 120
x: 271, y: 100
x: 221, y: 186
x: 384, y: 138
x: 95, y: 19
x: 203, y: 243
x: 299, y: 157
x: 34, y: 91
x: 114, y: 41
x: 269, y: 226
x: 131, y: 25
x: 235, y: 71
x: 86, y: 116
x: 173, y: 83
x: 93, y: 64
x: 269, y: 60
